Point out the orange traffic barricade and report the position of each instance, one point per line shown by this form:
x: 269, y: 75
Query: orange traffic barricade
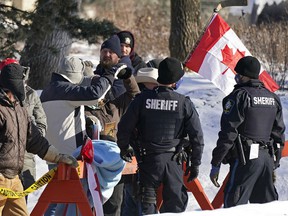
x: 285, y: 150
x: 130, y: 168
x: 65, y: 187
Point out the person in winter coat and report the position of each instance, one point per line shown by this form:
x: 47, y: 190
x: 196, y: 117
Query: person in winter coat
x: 147, y: 80
x: 18, y: 133
x: 63, y: 101
x: 127, y: 41
x: 251, y: 135
x: 35, y: 111
x: 110, y: 55
x: 162, y: 118
x: 112, y: 107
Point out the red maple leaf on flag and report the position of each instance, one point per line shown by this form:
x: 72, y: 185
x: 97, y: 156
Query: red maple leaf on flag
x: 230, y: 59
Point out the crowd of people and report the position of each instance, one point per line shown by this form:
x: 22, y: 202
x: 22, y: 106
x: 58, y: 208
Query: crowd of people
x: 136, y: 106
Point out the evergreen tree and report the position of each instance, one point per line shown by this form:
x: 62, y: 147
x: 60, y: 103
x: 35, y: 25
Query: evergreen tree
x: 48, y: 33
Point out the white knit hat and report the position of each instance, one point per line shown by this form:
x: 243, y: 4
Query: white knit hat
x: 148, y: 74
x: 71, y: 68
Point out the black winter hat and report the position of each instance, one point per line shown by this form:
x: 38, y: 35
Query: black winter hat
x: 126, y: 37
x: 113, y: 43
x: 248, y: 66
x: 170, y: 71
x: 12, y: 78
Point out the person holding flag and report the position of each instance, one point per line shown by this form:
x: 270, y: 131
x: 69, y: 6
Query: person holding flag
x: 251, y: 136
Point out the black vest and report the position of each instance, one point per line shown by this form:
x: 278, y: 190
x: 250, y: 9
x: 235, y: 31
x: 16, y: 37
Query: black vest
x: 161, y: 117
x: 260, y: 114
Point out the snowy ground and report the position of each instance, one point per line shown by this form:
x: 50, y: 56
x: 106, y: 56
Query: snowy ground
x: 207, y: 99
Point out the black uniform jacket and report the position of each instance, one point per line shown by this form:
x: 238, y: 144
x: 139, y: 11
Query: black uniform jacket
x: 161, y: 117
x: 252, y: 111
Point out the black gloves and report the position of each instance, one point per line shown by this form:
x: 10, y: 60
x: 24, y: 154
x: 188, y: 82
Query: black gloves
x: 184, y: 154
x: 120, y: 71
x: 194, y: 171
x: 127, y: 154
x: 180, y: 156
x: 123, y: 71
x: 214, y: 173
x: 278, y: 154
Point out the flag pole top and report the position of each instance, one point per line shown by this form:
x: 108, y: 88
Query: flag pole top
x: 230, y: 3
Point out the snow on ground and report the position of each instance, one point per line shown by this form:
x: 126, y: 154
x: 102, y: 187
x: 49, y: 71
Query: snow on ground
x: 207, y: 99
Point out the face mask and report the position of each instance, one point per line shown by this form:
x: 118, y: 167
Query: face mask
x: 238, y: 78
x: 178, y: 83
x: 15, y: 86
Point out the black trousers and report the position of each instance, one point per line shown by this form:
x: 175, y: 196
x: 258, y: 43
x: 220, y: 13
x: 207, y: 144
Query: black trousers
x: 252, y: 182
x: 112, y: 206
x: 154, y: 170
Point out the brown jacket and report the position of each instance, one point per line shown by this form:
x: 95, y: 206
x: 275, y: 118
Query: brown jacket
x: 109, y: 114
x: 17, y: 133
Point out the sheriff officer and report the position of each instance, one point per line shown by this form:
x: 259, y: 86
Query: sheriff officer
x: 162, y: 117
x: 252, y: 119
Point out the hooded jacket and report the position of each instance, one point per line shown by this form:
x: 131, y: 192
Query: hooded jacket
x: 136, y: 60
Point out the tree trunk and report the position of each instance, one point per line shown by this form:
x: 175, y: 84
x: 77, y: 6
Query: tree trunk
x: 48, y: 43
x: 185, y: 27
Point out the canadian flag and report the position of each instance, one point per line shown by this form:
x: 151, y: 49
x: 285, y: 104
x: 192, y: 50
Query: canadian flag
x: 217, y: 53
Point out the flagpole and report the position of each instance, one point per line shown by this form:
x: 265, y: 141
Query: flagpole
x: 199, y: 38
x: 221, y: 5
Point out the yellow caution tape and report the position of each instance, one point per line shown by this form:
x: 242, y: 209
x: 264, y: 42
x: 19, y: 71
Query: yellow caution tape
x: 47, y: 177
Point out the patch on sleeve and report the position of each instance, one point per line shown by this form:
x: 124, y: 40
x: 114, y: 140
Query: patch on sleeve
x: 228, y: 106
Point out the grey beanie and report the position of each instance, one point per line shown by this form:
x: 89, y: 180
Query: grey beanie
x: 72, y: 68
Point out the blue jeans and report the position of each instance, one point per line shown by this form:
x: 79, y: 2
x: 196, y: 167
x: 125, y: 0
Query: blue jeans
x: 131, y: 206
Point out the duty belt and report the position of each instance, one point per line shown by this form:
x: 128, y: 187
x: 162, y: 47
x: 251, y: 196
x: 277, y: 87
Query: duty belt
x: 143, y: 151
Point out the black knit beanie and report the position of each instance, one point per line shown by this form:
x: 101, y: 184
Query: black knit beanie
x: 113, y: 43
x: 12, y: 78
x: 248, y: 66
x: 170, y: 71
x: 126, y: 37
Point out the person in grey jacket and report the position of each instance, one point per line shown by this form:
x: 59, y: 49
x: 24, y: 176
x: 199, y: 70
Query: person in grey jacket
x: 38, y: 116
x: 17, y: 134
